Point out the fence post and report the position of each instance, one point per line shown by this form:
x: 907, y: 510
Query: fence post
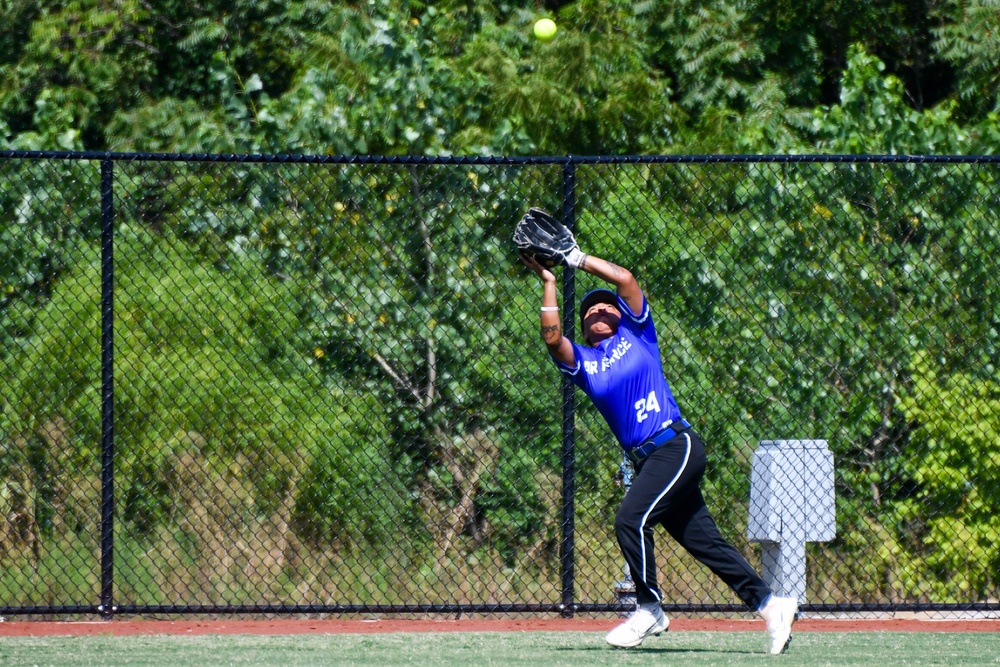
x: 569, y: 408
x: 106, y: 607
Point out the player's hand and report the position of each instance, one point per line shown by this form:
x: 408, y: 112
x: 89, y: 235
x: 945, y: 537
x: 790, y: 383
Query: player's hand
x: 544, y: 273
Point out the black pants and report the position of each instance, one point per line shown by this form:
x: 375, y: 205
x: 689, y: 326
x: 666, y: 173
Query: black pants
x: 666, y: 491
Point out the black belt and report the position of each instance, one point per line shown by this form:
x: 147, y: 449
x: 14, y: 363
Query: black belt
x: 657, y: 440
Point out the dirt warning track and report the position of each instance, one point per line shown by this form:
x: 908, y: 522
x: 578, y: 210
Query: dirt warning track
x: 295, y: 626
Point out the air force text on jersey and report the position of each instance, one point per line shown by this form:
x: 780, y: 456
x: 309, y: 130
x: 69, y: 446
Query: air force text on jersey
x: 623, y: 346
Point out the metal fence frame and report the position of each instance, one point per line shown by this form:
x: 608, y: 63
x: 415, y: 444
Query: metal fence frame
x: 568, y: 606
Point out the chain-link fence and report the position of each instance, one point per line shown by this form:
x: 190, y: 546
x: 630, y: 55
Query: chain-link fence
x: 289, y: 384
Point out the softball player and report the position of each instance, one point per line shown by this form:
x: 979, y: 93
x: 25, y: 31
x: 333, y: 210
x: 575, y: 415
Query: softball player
x: 620, y: 370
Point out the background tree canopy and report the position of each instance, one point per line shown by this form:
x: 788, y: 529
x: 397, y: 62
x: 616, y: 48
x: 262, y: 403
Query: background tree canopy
x: 397, y: 77
x: 277, y: 321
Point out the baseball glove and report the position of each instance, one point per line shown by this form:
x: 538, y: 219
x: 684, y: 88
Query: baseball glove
x: 548, y: 241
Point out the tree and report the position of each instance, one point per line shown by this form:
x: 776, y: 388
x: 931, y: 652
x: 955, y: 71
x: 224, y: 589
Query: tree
x: 968, y: 39
x: 85, y: 58
x: 952, y: 477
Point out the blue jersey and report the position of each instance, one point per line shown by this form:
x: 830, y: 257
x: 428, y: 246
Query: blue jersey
x: 623, y: 376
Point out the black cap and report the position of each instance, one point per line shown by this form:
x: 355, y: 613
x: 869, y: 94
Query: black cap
x: 593, y: 297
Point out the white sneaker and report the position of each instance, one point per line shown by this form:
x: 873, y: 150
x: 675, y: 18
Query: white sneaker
x: 643, y: 622
x: 779, y: 614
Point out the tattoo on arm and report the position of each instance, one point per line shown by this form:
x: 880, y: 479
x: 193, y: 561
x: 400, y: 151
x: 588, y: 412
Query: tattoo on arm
x: 617, y: 272
x: 549, y: 329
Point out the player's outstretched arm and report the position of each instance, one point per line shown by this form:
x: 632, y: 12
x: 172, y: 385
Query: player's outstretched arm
x: 559, y: 346
x: 623, y: 280
x: 547, y: 242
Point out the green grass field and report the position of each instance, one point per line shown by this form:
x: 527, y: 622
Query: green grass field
x: 532, y: 649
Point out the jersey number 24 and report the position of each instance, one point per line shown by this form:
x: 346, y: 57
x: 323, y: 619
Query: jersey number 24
x: 646, y: 405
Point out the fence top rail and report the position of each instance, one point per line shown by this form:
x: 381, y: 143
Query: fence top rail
x: 497, y: 160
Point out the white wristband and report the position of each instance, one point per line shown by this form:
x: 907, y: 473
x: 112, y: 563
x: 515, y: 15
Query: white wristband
x: 550, y: 309
x: 575, y: 258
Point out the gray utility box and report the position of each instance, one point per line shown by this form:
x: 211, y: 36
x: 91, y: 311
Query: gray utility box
x: 791, y: 503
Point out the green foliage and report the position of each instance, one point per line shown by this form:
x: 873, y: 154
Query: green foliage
x: 385, y: 337
x: 81, y: 59
x: 592, y: 90
x: 36, y: 240
x: 174, y: 396
x: 350, y: 494
x: 967, y: 38
x: 952, y: 470
x: 807, y: 44
x: 873, y: 117
x: 399, y: 77
x: 802, y: 323
x: 405, y: 306
x: 313, y: 357
x: 714, y: 61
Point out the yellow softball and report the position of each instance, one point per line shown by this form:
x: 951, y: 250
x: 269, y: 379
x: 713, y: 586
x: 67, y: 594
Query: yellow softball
x: 545, y: 29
